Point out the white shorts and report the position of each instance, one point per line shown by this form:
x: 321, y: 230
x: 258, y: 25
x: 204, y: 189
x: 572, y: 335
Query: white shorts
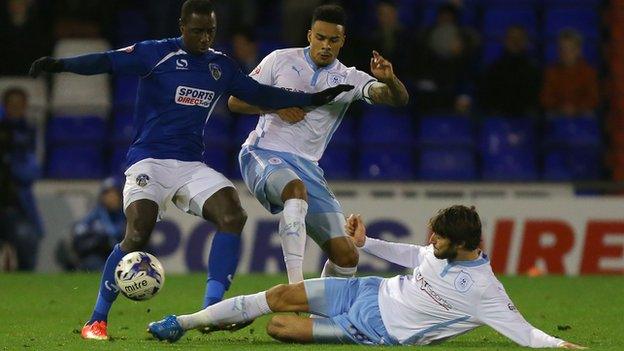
x: 187, y: 184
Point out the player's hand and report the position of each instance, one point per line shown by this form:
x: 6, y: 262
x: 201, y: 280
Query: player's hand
x: 45, y: 64
x: 381, y: 68
x: 329, y: 94
x: 291, y: 115
x: 571, y: 346
x: 356, y: 230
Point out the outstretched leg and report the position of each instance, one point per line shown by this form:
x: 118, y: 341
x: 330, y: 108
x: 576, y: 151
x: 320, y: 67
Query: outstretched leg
x: 141, y: 217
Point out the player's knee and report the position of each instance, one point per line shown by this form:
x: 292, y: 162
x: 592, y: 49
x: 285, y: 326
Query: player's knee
x: 137, y: 234
x: 233, y: 221
x: 295, y: 189
x: 277, y: 297
x: 347, y: 257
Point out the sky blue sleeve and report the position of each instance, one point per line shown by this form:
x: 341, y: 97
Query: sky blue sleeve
x: 254, y: 93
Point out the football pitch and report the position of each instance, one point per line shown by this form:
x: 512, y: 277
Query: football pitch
x: 46, y: 312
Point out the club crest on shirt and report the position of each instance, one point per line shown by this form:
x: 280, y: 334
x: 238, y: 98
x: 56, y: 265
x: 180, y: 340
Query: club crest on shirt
x: 334, y: 79
x: 142, y: 179
x: 463, y: 282
x: 215, y: 70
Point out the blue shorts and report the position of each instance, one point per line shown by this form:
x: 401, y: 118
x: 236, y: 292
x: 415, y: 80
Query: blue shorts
x: 257, y: 165
x: 351, y: 308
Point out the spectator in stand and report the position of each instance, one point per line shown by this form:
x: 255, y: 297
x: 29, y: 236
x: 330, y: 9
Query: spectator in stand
x: 571, y: 85
x: 245, y: 49
x: 20, y: 22
x: 20, y: 219
x: 391, y: 39
x: 93, y: 237
x: 443, y: 64
x: 510, y: 85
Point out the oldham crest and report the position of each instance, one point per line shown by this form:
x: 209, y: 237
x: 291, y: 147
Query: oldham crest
x: 215, y: 70
x: 142, y: 179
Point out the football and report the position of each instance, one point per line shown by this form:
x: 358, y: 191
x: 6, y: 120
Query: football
x: 139, y: 276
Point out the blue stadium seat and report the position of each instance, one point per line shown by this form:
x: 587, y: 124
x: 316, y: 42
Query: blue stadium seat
x: 337, y: 162
x: 388, y: 163
x: 218, y: 130
x: 444, y: 164
x: 591, y: 52
x: 523, y: 4
x: 573, y: 163
x: 384, y: 126
x: 512, y: 165
x: 499, y: 135
x: 218, y: 157
x: 345, y: 134
x: 125, y: 91
x: 572, y: 3
x: 75, y: 130
x: 497, y: 20
x: 573, y: 131
x: 75, y: 161
x: 446, y: 130
x: 582, y: 19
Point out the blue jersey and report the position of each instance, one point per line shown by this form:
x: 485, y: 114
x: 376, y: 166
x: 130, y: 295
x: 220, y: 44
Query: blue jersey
x: 177, y: 93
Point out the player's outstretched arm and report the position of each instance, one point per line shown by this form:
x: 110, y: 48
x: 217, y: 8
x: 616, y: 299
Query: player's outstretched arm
x: 496, y: 310
x: 289, y: 114
x: 85, y: 64
x: 245, y: 88
x: 405, y: 255
x: 389, y: 90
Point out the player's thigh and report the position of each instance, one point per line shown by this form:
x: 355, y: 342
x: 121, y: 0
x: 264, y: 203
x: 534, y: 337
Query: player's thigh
x: 203, y: 184
x: 329, y: 297
x: 257, y: 166
x: 289, y: 328
x: 149, y: 179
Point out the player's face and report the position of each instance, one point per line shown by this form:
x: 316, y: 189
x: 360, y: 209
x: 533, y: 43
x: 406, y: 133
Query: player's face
x: 443, y: 248
x: 198, y: 32
x: 326, y: 39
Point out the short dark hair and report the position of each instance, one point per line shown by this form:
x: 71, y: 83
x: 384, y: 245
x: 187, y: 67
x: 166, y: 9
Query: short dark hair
x: 460, y: 224
x: 329, y: 13
x: 202, y: 7
x: 13, y: 91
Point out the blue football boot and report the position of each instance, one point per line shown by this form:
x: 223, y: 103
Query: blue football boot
x: 167, y: 328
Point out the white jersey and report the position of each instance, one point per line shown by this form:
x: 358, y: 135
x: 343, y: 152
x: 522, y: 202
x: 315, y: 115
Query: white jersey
x: 293, y: 69
x: 442, y: 298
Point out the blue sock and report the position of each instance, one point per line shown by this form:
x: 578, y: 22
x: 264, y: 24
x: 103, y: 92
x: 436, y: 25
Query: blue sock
x: 222, y: 264
x: 108, y: 290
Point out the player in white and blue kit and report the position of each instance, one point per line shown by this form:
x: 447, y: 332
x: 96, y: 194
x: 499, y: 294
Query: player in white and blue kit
x: 450, y: 291
x: 181, y: 81
x: 279, y: 159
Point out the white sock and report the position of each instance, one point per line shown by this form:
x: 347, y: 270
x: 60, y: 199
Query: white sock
x: 332, y: 270
x: 292, y: 233
x: 237, y: 309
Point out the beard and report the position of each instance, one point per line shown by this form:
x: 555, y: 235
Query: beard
x: 449, y: 254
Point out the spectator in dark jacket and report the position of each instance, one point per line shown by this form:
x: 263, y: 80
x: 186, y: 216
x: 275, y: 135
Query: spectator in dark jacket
x: 20, y: 218
x: 510, y: 85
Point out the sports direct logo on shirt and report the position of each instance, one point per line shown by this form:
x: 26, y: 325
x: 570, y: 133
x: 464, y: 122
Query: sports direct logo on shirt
x: 193, y: 96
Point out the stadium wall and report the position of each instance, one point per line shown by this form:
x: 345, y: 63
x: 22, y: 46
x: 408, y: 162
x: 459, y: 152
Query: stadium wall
x: 526, y: 227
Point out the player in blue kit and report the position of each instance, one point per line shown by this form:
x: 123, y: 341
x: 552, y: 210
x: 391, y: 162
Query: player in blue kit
x: 181, y: 81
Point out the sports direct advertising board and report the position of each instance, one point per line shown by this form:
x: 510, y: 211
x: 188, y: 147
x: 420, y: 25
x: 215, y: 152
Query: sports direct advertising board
x: 556, y: 235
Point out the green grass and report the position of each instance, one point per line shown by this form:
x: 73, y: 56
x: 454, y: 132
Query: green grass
x: 46, y: 312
